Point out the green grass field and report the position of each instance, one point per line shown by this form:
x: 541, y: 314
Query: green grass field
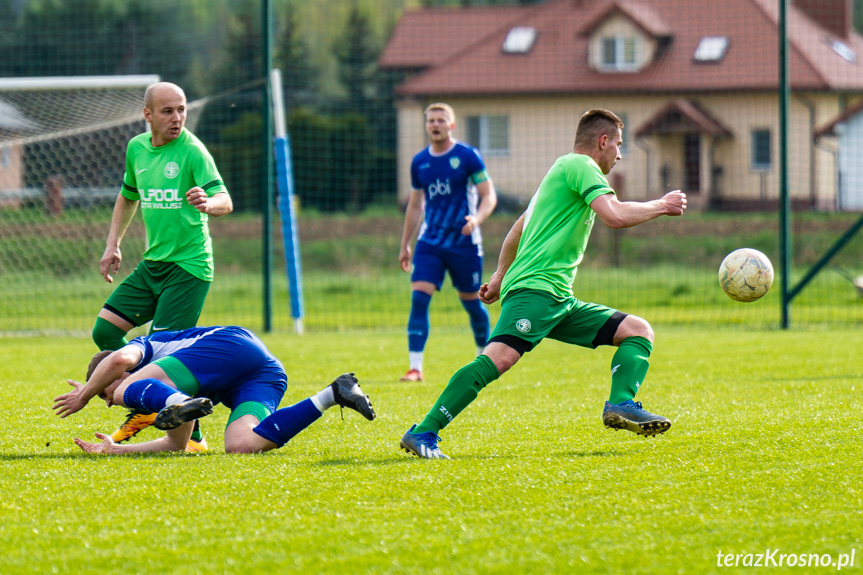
x: 764, y: 454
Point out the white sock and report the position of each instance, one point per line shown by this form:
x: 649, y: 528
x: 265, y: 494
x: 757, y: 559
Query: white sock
x: 175, y: 398
x: 479, y: 351
x: 416, y: 360
x: 324, y: 399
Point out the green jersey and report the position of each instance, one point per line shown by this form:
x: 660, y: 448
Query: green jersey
x: 159, y: 178
x: 557, y: 225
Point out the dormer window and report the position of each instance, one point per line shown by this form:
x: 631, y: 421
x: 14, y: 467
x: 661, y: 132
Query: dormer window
x: 843, y: 50
x: 619, y: 52
x: 711, y: 49
x: 519, y: 40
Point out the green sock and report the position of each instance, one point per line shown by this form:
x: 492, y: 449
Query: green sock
x: 196, y: 433
x: 106, y: 335
x: 628, y: 368
x: 462, y: 389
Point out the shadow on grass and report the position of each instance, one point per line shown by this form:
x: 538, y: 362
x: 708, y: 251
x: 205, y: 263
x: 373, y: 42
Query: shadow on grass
x: 597, y: 453
x: 814, y: 378
x: 363, y: 462
x: 82, y: 455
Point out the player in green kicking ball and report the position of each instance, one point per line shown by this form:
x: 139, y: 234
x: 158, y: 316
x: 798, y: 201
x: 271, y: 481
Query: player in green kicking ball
x: 536, y: 269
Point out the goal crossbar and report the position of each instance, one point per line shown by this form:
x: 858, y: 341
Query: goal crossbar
x: 73, y: 82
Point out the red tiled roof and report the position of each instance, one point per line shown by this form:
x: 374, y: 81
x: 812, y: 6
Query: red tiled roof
x: 459, y: 50
x: 432, y: 36
x: 681, y: 115
x: 644, y: 15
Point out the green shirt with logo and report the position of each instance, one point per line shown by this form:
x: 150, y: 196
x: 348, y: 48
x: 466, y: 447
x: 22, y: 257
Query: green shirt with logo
x: 159, y: 178
x: 557, y: 225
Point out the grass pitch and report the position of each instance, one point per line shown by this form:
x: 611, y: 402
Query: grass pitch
x: 763, y: 454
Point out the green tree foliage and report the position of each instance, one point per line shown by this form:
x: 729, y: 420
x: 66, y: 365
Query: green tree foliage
x: 338, y: 147
x: 293, y: 58
x: 68, y: 38
x: 239, y: 158
x: 356, y: 51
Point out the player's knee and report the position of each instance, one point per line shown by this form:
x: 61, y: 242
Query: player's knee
x: 240, y: 437
x: 633, y: 326
x: 248, y: 445
x: 106, y: 335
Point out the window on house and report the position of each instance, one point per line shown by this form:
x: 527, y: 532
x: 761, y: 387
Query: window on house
x: 519, y: 40
x: 711, y: 49
x: 843, y: 50
x: 619, y: 53
x: 761, y: 149
x: 489, y: 134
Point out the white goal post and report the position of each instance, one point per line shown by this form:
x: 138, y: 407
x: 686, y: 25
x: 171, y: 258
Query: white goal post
x: 71, y: 82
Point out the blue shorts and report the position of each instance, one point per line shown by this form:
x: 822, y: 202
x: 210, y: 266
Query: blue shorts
x: 233, y: 367
x: 463, y: 264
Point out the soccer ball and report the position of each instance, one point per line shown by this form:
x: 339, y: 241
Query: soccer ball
x: 745, y: 274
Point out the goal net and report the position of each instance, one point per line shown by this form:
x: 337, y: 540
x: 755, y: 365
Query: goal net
x: 63, y: 137
x: 62, y: 146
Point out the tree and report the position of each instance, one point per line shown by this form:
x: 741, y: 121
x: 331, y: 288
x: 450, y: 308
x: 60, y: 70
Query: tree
x: 292, y: 56
x: 357, y: 53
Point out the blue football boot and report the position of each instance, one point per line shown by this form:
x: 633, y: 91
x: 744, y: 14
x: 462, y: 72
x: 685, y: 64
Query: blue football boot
x: 631, y: 416
x: 422, y: 445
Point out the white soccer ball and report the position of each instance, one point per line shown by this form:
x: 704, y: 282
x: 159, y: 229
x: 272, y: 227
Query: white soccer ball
x: 745, y: 274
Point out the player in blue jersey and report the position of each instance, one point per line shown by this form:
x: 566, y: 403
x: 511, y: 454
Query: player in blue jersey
x: 180, y: 375
x: 452, y: 194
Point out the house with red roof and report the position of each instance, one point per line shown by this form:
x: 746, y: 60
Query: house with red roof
x: 696, y: 84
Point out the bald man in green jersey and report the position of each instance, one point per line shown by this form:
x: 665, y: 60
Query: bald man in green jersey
x: 534, y: 277
x: 174, y: 179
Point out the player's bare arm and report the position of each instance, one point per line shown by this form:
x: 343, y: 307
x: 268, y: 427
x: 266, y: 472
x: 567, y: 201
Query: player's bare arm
x: 489, y: 292
x: 413, y: 214
x: 217, y: 205
x: 109, y: 370
x: 487, y: 203
x: 124, y: 211
x: 173, y: 440
x: 617, y: 215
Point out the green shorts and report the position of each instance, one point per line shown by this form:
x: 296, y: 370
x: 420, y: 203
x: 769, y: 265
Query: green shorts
x: 162, y: 292
x: 185, y: 382
x: 528, y: 316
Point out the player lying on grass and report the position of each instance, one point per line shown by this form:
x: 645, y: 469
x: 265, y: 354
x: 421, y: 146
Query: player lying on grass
x: 536, y: 270
x: 180, y: 375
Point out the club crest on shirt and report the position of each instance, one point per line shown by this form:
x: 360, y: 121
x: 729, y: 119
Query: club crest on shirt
x: 172, y: 170
x: 523, y: 325
x: 455, y: 163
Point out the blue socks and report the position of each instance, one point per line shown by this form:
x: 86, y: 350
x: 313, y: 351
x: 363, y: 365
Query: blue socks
x: 479, y: 321
x: 285, y: 423
x: 148, y: 395
x: 418, y: 321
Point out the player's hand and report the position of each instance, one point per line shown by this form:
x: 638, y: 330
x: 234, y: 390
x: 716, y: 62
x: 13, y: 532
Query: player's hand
x: 470, y: 226
x: 405, y: 259
x: 69, y: 403
x: 489, y: 292
x: 107, y: 446
x: 110, y: 263
x: 198, y: 198
x: 675, y: 203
